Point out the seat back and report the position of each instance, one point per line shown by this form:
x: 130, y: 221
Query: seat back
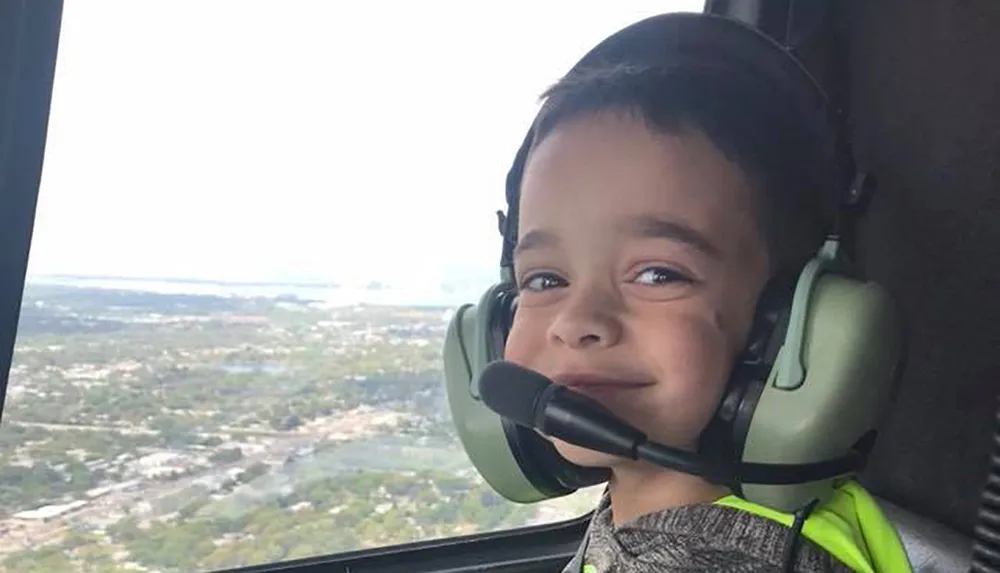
x: 932, y: 547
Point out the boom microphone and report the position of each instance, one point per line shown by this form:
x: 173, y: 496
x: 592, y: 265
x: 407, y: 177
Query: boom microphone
x: 529, y: 399
x: 534, y: 402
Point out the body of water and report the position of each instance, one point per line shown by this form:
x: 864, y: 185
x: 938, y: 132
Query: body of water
x: 445, y: 295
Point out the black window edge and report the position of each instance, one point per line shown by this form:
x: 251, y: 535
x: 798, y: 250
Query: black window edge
x: 29, y: 39
x: 535, y: 548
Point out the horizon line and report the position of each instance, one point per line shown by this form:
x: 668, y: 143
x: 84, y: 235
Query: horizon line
x: 189, y: 280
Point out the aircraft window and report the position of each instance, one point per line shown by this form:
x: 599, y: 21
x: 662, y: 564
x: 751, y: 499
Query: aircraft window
x: 254, y: 220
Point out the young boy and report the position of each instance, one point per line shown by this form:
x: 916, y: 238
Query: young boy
x: 659, y: 196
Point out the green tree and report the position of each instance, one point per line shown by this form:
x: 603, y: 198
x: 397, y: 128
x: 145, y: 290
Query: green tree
x: 253, y: 472
x: 226, y: 456
x: 43, y: 560
x: 211, y: 441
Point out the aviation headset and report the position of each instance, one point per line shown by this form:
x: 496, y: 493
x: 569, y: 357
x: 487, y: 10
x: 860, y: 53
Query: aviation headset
x: 820, y: 361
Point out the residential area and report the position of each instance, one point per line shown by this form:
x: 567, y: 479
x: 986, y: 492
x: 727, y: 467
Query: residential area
x: 156, y: 432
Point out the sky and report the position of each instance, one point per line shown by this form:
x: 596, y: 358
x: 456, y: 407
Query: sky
x: 248, y: 140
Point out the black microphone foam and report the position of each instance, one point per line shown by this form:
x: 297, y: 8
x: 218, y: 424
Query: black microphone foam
x: 529, y: 399
x: 513, y: 391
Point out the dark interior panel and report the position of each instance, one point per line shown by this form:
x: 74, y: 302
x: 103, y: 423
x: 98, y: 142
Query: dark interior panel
x: 924, y: 98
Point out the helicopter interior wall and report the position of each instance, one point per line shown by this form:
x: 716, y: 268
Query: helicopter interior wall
x: 924, y: 97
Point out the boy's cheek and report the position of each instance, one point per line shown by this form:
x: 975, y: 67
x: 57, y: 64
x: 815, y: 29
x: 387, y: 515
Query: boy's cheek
x: 691, y: 370
x: 675, y: 423
x: 520, y: 341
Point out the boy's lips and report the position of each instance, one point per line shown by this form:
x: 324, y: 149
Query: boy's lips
x: 598, y: 385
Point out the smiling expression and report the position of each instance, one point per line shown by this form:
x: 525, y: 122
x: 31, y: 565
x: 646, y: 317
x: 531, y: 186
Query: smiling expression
x: 638, y: 265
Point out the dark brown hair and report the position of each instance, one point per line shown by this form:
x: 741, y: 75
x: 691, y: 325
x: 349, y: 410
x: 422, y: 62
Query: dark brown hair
x: 787, y: 166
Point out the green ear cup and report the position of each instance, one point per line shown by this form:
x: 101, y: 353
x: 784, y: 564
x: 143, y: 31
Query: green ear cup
x: 470, y: 344
x: 850, y: 350
x: 790, y: 370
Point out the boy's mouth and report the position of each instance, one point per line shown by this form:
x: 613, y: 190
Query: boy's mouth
x: 599, y: 386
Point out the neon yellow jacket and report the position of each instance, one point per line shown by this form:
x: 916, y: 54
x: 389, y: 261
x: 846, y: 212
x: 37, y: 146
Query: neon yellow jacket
x: 850, y: 526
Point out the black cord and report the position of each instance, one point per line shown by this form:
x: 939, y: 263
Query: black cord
x: 793, y: 541
x: 459, y: 318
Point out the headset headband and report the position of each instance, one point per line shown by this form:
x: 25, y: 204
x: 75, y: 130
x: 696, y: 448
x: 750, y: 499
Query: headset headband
x: 710, y: 44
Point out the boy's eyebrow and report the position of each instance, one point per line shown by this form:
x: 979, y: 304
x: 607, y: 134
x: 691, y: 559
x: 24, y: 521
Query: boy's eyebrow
x: 652, y: 227
x: 643, y: 227
x: 535, y: 240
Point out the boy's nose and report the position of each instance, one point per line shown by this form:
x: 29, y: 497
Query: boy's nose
x: 587, y: 323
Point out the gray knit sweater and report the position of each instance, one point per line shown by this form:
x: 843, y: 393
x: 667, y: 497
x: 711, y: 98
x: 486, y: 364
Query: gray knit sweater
x: 696, y: 538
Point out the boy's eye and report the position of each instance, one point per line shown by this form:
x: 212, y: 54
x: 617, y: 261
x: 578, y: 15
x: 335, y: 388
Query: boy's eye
x: 655, y: 276
x: 542, y: 281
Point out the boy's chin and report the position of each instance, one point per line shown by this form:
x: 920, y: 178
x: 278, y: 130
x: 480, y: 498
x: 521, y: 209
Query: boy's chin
x: 593, y: 459
x: 585, y: 457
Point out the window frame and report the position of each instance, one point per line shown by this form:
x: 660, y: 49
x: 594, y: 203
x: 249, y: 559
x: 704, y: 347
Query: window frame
x: 29, y: 39
x: 538, y: 548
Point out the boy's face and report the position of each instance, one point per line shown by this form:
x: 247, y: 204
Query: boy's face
x: 639, y: 263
